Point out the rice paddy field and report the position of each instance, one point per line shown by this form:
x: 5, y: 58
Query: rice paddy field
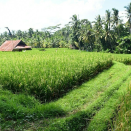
x: 62, y: 90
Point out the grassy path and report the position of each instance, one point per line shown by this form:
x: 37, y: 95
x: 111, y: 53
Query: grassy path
x: 104, y: 117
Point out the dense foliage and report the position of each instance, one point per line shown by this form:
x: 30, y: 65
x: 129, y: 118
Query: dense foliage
x: 102, y: 34
x: 124, y: 45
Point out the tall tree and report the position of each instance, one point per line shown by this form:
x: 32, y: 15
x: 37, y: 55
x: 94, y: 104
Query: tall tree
x: 107, y: 31
x: 75, y: 26
x: 108, y: 19
x: 115, y: 20
x: 85, y: 35
x: 98, y: 30
x: 128, y: 10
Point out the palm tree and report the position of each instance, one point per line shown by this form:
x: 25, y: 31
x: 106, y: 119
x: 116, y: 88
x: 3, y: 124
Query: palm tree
x: 115, y: 20
x: 86, y: 34
x: 115, y: 16
x: 108, y: 18
x: 107, y: 31
x: 98, y: 32
x: 75, y: 26
x: 128, y: 10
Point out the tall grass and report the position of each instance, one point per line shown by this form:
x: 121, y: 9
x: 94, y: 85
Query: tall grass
x: 123, y: 58
x: 47, y: 75
x: 122, y: 121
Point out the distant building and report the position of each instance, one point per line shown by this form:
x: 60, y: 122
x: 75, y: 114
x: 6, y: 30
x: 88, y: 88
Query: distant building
x: 14, y: 45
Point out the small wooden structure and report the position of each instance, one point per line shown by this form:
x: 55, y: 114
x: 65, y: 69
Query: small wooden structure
x: 14, y: 45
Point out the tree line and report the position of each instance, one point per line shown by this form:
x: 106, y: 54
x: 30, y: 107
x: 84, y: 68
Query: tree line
x: 108, y: 34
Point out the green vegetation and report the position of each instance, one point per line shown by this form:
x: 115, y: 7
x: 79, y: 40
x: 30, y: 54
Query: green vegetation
x: 69, y: 90
x: 79, y: 120
x: 47, y: 75
x: 103, y: 34
x: 103, y: 118
x: 92, y: 105
x: 124, y: 45
x: 123, y: 120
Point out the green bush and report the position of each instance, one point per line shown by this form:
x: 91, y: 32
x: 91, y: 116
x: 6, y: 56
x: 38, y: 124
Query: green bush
x: 124, y: 45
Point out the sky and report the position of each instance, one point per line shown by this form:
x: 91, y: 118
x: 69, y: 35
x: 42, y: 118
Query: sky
x: 38, y: 14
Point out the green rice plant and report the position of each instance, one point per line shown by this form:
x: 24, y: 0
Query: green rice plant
x: 48, y: 75
x: 74, y: 111
x: 123, y: 58
x: 78, y: 121
x: 73, y: 102
x: 122, y: 120
x: 79, y: 98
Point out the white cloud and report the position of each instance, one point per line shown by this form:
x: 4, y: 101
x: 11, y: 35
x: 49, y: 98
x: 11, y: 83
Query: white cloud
x: 25, y: 14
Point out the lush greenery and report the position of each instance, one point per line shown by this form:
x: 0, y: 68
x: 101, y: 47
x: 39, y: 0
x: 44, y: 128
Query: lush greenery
x: 51, y: 73
x: 69, y: 90
x: 103, y: 34
x: 78, y: 109
x: 124, y: 45
x: 123, y: 120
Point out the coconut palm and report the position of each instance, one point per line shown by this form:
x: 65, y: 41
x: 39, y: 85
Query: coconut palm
x: 128, y: 10
x: 115, y: 16
x: 98, y: 33
x: 75, y: 26
x: 86, y: 34
x: 116, y: 21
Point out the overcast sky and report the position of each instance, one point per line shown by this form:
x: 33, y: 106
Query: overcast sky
x: 37, y: 14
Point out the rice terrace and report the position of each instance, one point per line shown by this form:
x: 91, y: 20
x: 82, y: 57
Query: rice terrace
x: 44, y: 90
x: 75, y: 77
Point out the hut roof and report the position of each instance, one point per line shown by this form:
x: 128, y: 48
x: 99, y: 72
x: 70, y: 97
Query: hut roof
x: 14, y: 45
